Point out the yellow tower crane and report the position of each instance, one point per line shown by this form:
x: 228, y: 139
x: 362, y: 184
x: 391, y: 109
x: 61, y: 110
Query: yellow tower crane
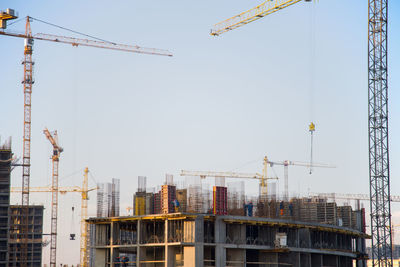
x: 266, y: 8
x: 28, y: 81
x: 84, y: 226
x: 261, y: 177
x: 84, y: 191
x: 286, y: 164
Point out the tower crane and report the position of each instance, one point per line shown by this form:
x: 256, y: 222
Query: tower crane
x: 84, y: 226
x: 261, y: 177
x: 84, y: 191
x: 28, y: 81
x: 286, y: 164
x: 378, y: 137
x: 53, y: 138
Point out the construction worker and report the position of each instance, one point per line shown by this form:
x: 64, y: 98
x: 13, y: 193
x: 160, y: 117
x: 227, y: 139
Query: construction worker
x: 290, y: 208
x: 176, y: 205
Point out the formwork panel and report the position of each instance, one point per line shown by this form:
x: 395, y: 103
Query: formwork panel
x: 220, y: 203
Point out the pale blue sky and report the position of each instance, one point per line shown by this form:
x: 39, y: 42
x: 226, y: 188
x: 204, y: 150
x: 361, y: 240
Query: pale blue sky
x: 216, y: 105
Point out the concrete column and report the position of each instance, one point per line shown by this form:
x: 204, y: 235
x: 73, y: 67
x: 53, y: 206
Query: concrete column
x: 142, y: 255
x: 111, y: 244
x: 138, y: 236
x: 220, y: 239
x: 220, y: 256
x: 219, y: 231
x: 166, y: 256
x: 170, y: 256
x: 243, y: 233
x: 199, y: 241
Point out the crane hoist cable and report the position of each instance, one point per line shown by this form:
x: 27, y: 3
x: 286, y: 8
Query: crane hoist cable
x: 311, y: 128
x: 72, y: 233
x: 312, y: 45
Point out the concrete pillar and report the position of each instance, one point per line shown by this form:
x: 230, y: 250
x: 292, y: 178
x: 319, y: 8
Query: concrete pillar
x: 111, y: 244
x: 166, y: 256
x: 171, y: 251
x: 142, y: 255
x: 220, y: 237
x: 219, y: 231
x: 297, y: 264
x: 243, y: 233
x: 138, y: 235
x: 199, y: 241
x: 220, y: 255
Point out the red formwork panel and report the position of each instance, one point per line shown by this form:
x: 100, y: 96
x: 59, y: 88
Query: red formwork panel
x: 220, y: 201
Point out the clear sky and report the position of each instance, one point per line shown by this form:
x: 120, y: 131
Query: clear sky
x: 218, y: 104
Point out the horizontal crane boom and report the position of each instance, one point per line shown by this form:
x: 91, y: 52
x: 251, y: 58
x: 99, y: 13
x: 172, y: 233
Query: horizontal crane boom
x: 262, y: 10
x: 204, y: 174
x: 299, y: 163
x: 92, y: 43
x: 46, y: 189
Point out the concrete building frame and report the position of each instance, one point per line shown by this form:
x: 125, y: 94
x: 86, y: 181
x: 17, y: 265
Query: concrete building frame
x: 187, y: 239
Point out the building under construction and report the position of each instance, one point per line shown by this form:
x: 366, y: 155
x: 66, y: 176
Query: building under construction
x: 10, y: 220
x: 108, y: 199
x: 232, y: 230
x: 35, y: 236
x: 5, y: 171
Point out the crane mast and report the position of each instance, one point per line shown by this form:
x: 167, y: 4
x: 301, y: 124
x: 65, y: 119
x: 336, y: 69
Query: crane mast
x: 379, y: 179
x: 27, y: 83
x: 54, y: 195
x: 84, y: 225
